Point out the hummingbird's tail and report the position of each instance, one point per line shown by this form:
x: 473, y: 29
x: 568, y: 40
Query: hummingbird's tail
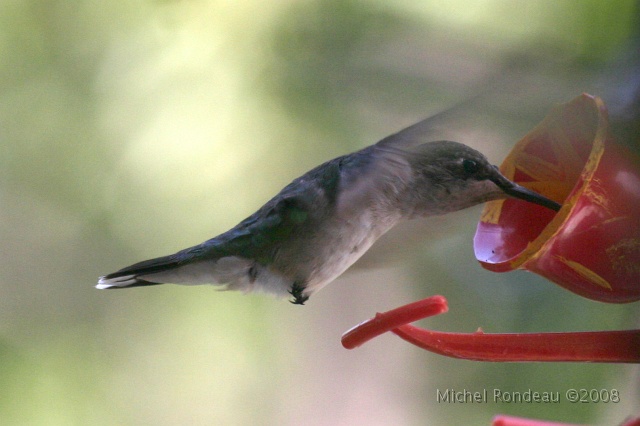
x: 187, y: 267
x: 133, y: 276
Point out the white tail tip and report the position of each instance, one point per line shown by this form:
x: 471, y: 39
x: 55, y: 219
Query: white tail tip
x: 105, y: 283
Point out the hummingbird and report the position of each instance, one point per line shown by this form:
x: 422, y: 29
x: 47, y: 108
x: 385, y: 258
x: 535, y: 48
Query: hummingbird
x: 317, y: 226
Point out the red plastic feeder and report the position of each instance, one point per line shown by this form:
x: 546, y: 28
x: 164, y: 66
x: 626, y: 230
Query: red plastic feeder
x: 592, y: 245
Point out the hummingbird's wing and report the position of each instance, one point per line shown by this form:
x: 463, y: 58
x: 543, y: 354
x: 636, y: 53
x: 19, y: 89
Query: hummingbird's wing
x: 225, y: 259
x: 448, y: 124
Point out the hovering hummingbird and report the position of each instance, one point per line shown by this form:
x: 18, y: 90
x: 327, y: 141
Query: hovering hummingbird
x: 322, y: 222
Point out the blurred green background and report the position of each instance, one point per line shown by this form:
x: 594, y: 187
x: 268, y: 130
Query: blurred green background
x: 130, y: 130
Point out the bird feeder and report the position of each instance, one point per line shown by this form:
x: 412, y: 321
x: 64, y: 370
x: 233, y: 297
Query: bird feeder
x: 592, y: 245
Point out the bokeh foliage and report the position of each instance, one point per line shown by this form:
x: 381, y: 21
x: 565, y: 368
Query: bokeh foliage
x: 133, y: 129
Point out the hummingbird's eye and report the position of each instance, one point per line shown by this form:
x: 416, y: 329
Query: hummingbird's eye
x: 470, y: 166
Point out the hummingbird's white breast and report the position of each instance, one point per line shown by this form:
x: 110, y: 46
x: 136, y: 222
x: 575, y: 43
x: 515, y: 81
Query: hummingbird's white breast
x: 367, y: 207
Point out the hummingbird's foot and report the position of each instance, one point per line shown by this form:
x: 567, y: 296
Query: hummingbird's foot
x: 297, y: 292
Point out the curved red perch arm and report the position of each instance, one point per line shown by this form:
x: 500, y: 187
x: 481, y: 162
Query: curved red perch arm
x: 518, y: 421
x: 387, y: 321
x: 502, y: 420
x: 598, y: 346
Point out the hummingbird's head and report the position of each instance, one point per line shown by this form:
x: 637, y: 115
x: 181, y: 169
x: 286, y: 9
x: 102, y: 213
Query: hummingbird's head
x: 450, y: 176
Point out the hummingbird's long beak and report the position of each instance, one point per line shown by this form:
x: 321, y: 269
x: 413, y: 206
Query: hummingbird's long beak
x: 514, y: 190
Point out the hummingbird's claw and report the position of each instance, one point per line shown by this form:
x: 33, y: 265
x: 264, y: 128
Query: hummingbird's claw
x: 297, y: 292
